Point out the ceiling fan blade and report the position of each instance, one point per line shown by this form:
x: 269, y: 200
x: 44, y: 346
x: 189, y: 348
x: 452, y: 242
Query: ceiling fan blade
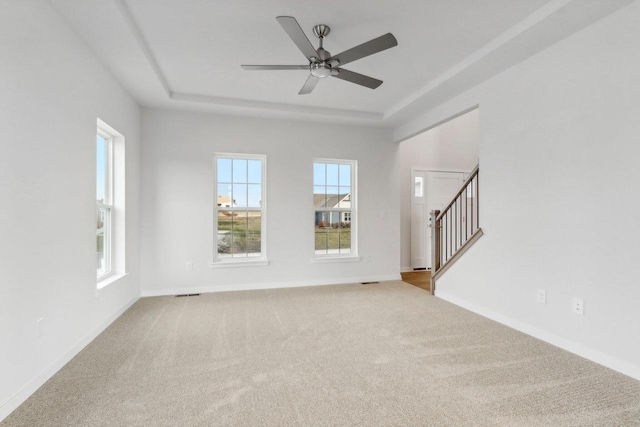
x: 292, y: 28
x: 365, y: 49
x: 359, y: 79
x: 309, y: 85
x: 275, y: 67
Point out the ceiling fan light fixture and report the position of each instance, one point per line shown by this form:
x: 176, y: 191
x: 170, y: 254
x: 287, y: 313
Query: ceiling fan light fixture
x: 320, y: 70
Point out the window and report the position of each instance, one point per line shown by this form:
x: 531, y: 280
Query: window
x: 239, y: 211
x: 110, y: 192
x: 419, y: 186
x: 335, y: 208
x: 104, y: 202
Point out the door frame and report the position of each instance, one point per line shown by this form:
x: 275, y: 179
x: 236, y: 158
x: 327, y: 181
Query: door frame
x: 424, y: 226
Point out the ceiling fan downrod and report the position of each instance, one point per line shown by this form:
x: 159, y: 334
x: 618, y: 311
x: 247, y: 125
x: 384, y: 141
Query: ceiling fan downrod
x: 321, y: 31
x: 320, y: 68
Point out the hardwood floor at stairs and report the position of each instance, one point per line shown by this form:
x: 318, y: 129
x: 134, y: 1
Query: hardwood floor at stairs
x: 420, y: 278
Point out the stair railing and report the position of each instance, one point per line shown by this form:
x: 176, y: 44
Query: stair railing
x: 455, y: 228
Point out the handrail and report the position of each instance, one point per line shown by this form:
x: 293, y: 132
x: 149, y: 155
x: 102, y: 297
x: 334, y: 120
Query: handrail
x: 456, y: 227
x: 472, y: 175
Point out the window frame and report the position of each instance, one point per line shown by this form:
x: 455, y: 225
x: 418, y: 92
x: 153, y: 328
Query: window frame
x: 115, y: 206
x: 217, y: 260
x: 107, y: 206
x: 353, y: 210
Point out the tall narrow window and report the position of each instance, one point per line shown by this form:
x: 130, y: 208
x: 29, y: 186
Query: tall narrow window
x: 334, y: 183
x: 110, y: 204
x: 240, y: 232
x: 104, y: 203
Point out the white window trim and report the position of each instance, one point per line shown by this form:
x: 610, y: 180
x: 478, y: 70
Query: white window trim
x: 116, y: 206
x: 106, y: 281
x: 352, y: 256
x: 107, y: 206
x: 324, y: 259
x: 239, y: 262
x: 251, y: 261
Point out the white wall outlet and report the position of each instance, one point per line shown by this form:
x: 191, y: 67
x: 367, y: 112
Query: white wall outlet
x: 542, y: 296
x: 189, y: 265
x: 367, y: 258
x: 578, y: 306
x: 39, y: 327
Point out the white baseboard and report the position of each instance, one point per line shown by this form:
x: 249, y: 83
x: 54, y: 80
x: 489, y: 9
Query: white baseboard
x: 274, y: 285
x: 23, y: 394
x: 603, y: 359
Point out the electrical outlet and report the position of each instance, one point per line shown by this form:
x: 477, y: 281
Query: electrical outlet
x: 542, y: 296
x: 578, y: 306
x: 189, y: 265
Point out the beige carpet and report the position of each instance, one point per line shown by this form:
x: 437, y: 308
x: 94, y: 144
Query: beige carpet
x: 367, y: 355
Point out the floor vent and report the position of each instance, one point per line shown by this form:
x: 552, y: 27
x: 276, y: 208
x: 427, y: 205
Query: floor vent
x: 368, y: 283
x: 187, y: 295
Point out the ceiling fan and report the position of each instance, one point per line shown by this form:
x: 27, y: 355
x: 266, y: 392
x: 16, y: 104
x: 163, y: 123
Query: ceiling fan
x: 321, y: 63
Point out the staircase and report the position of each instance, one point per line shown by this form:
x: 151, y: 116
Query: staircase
x: 455, y: 228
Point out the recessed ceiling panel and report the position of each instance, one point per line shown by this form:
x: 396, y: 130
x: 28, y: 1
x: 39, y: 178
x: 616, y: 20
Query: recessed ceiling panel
x: 177, y: 52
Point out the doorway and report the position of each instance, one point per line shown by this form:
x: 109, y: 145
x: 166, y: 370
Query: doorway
x: 431, y: 190
x: 449, y: 146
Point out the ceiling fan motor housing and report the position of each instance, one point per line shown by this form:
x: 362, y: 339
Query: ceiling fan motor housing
x: 320, y: 69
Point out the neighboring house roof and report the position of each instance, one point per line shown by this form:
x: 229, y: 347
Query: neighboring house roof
x: 224, y: 200
x: 331, y: 200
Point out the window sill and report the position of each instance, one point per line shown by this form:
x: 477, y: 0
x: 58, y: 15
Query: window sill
x: 106, y: 281
x: 239, y: 263
x: 328, y: 259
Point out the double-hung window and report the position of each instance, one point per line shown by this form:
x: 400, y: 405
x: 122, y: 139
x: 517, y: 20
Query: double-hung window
x: 240, y: 208
x: 104, y: 203
x: 334, y: 198
x: 110, y: 205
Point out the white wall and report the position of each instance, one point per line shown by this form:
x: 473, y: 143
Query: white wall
x: 178, y: 200
x: 558, y: 201
x: 53, y: 89
x: 452, y: 145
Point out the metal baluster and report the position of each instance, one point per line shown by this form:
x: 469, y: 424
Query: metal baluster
x: 478, y: 198
x: 472, y: 204
x: 466, y: 213
x: 460, y: 222
x: 455, y: 225
x: 450, y: 234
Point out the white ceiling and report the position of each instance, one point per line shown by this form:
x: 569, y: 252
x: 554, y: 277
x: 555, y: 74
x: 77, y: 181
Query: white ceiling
x: 186, y: 54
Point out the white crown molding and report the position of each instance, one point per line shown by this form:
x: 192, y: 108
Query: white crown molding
x: 144, y: 46
x: 273, y: 106
x: 548, y: 25
x: 479, y: 54
x: 522, y: 40
x: 474, y: 58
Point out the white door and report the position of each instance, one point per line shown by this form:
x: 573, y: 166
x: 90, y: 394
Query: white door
x: 431, y: 191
